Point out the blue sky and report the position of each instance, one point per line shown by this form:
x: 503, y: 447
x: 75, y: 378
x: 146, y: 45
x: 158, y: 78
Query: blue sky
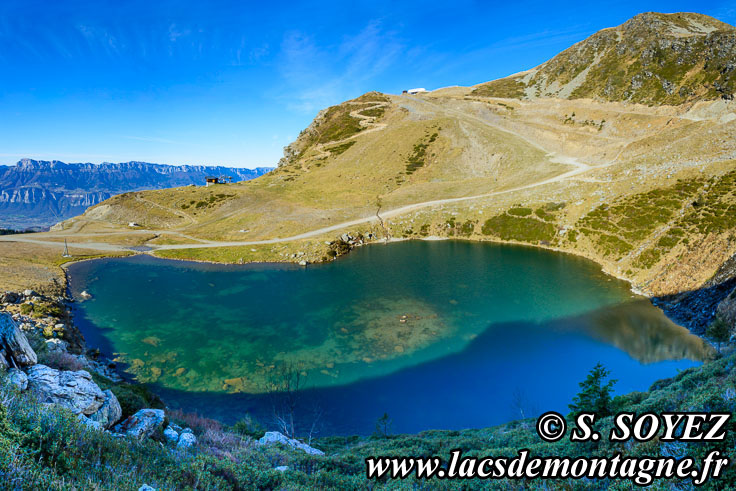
x: 231, y: 83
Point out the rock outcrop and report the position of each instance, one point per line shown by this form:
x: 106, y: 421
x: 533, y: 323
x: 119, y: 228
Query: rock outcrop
x: 171, y: 435
x: 73, y: 390
x: 652, y: 58
x: 726, y: 310
x: 273, y: 437
x: 18, y: 379
x: 142, y: 424
x: 110, y: 412
x: 14, y: 348
x: 186, y: 439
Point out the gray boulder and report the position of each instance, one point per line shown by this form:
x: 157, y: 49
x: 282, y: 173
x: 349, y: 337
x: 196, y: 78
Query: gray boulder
x: 9, y: 297
x: 57, y: 344
x: 171, y: 435
x: 273, y: 437
x: 186, y: 440
x: 144, y: 423
x: 18, y: 352
x: 110, y: 412
x: 18, y: 379
x: 73, y: 390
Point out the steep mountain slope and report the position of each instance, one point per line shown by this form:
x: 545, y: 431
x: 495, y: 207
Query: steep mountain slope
x: 651, y: 59
x: 40, y: 193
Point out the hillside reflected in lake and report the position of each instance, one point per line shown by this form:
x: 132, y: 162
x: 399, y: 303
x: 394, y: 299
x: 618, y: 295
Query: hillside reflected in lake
x: 383, y: 329
x: 645, y: 333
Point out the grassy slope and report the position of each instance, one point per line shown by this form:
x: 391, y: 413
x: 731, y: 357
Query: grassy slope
x: 48, y: 448
x: 452, y: 146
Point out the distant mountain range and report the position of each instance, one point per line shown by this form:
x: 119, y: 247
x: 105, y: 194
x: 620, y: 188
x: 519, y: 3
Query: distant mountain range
x: 38, y: 193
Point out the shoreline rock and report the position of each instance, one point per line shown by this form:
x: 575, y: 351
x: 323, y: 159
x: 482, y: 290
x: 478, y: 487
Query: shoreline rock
x: 73, y: 390
x: 110, y: 412
x: 274, y: 437
x: 142, y: 424
x: 17, y: 352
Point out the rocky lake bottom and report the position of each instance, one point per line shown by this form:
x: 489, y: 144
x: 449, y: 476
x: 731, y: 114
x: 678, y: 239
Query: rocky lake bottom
x: 439, y: 335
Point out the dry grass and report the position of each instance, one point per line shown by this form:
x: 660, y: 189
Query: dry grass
x: 482, y: 145
x: 37, y: 266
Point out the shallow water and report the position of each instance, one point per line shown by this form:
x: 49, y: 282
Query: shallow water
x: 444, y: 334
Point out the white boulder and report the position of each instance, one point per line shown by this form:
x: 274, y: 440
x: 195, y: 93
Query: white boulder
x: 73, y: 390
x: 272, y: 437
x: 171, y: 435
x: 110, y: 412
x: 186, y: 439
x: 142, y: 424
x: 18, y: 379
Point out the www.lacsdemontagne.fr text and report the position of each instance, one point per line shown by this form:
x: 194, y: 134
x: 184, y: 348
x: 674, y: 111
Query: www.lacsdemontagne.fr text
x: 642, y: 471
x: 689, y: 427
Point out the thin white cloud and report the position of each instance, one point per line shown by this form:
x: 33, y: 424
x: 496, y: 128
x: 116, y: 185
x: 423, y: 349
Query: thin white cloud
x: 175, y: 33
x: 258, y: 52
x: 98, y: 37
x: 315, y: 76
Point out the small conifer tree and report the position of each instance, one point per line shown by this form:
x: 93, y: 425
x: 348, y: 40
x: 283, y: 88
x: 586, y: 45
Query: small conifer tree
x: 595, y: 393
x: 719, y: 331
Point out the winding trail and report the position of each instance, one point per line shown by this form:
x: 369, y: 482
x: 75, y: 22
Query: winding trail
x: 306, y: 235
x: 368, y: 122
x: 578, y: 169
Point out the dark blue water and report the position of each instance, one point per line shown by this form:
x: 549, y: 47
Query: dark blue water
x: 444, y: 335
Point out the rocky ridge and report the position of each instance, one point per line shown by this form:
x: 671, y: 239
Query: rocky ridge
x: 652, y: 58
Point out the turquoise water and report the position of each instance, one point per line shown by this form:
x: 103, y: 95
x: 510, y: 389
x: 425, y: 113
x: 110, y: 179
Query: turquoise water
x: 444, y: 334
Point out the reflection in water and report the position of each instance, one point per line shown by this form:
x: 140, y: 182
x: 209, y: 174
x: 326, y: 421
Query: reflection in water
x: 645, y: 333
x: 437, y: 334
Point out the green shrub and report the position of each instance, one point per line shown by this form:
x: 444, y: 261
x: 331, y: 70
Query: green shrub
x: 338, y: 124
x: 468, y: 228
x: 38, y: 343
x: 342, y: 148
x: 517, y: 228
x: 520, y: 211
x: 375, y: 112
x: 247, y: 426
x: 509, y: 88
x: 48, y: 309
